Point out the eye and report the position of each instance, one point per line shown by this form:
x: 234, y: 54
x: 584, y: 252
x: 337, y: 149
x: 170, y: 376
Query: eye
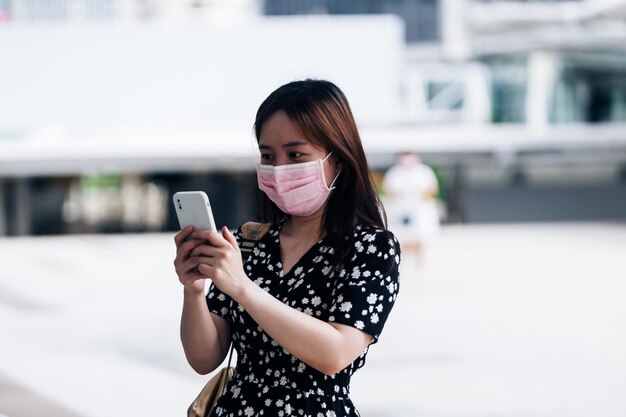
x: 295, y: 155
x: 266, y: 157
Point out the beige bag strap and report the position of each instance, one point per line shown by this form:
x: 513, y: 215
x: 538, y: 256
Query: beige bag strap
x: 251, y: 232
x: 254, y: 231
x: 230, y: 354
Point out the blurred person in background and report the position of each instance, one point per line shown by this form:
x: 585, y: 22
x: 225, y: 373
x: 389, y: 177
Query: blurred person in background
x: 411, y: 188
x: 316, y: 291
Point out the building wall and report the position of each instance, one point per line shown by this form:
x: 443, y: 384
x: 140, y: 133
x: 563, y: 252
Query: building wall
x: 421, y: 17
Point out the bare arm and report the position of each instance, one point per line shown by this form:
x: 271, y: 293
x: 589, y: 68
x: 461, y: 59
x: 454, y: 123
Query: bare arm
x: 205, y: 336
x: 327, y: 347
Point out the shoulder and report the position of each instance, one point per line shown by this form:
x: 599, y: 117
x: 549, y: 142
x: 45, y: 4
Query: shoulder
x: 372, y: 234
x: 426, y: 169
x: 370, y: 276
x: 375, y: 242
x: 253, y: 230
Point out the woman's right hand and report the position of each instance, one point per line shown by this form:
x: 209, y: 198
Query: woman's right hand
x: 187, y: 266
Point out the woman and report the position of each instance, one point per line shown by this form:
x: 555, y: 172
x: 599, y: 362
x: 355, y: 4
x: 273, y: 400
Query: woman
x: 411, y: 188
x: 318, y: 287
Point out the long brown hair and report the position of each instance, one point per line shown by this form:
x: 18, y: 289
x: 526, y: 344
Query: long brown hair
x: 321, y: 111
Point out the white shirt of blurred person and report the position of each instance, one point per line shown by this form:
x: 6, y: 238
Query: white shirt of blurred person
x: 411, y: 188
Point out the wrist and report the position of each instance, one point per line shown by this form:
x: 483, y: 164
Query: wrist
x: 244, y: 292
x: 192, y: 293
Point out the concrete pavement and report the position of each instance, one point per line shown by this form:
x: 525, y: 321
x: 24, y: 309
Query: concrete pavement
x: 15, y: 400
x: 501, y: 321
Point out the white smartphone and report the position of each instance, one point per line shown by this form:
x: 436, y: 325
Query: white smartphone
x: 193, y: 209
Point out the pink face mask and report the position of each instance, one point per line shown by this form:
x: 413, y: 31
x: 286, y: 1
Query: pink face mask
x: 297, y: 189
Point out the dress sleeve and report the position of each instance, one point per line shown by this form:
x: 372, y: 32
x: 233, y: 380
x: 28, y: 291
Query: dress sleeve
x: 368, y: 285
x: 218, y: 302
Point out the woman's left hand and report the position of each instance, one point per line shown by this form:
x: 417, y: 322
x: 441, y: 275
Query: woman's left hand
x: 220, y: 260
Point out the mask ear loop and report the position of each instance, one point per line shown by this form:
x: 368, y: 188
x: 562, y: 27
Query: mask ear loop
x: 331, y: 186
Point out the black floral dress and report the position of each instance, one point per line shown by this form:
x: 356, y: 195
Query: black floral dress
x: 269, y: 381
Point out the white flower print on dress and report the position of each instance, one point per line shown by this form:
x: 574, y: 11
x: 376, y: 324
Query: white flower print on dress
x: 360, y: 292
x: 345, y: 307
x: 372, y: 298
x: 374, y: 318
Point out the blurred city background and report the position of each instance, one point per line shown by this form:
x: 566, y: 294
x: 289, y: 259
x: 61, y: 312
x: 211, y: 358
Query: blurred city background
x: 108, y: 107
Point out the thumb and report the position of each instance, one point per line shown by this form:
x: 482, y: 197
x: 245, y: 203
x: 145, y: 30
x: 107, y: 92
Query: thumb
x: 230, y: 238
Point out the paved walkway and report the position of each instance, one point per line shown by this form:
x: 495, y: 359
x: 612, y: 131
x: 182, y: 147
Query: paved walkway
x: 16, y: 401
x: 502, y: 321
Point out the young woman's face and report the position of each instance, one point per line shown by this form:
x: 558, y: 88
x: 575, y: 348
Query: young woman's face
x: 282, y: 143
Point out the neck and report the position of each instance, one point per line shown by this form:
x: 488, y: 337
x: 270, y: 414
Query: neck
x: 306, y: 226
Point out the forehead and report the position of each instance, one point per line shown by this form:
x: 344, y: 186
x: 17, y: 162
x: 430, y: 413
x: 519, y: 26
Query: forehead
x: 279, y: 129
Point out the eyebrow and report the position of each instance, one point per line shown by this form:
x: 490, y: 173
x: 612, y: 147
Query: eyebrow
x: 287, y: 145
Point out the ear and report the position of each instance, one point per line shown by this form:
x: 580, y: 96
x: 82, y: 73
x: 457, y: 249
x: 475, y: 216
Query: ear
x: 337, y: 161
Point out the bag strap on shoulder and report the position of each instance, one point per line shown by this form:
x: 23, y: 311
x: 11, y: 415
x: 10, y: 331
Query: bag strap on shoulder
x: 251, y: 232
x: 254, y: 231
